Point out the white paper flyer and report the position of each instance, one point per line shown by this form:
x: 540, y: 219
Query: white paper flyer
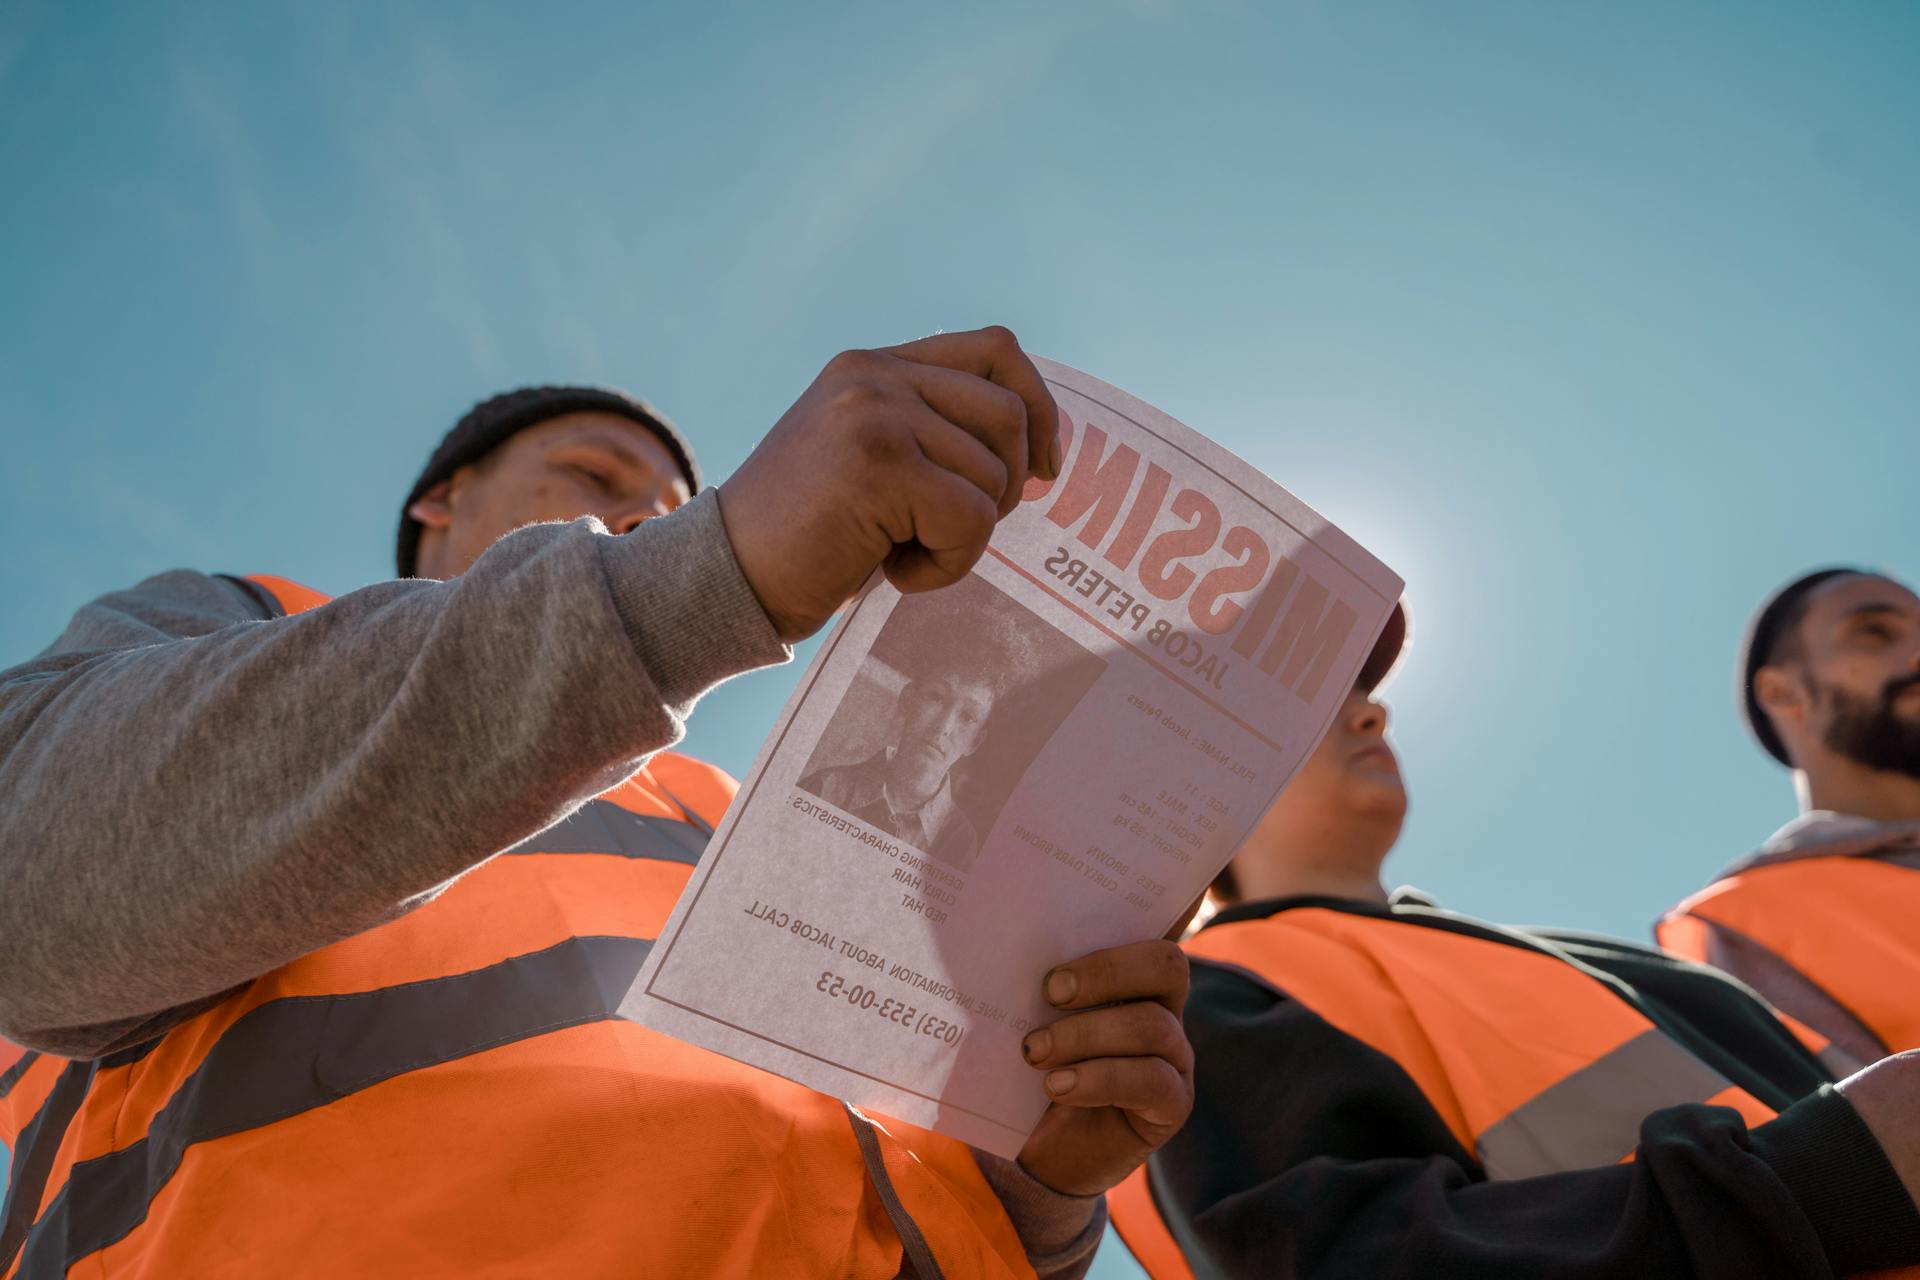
x: 1053, y: 756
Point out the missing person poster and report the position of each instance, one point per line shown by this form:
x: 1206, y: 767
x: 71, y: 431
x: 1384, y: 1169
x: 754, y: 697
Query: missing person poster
x: 1053, y: 756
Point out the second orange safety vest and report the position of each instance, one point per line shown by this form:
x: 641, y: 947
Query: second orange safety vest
x: 1836, y: 928
x: 452, y: 1094
x: 1536, y: 1064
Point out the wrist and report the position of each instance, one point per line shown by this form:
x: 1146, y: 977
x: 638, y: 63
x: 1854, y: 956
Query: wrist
x: 1052, y: 1225
x: 1840, y: 1176
x: 685, y: 604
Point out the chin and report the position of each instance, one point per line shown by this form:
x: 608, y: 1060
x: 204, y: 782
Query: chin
x: 926, y: 780
x: 1377, y: 782
x: 1381, y: 798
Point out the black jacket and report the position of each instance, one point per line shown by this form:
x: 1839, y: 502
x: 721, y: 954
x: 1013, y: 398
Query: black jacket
x: 1311, y: 1154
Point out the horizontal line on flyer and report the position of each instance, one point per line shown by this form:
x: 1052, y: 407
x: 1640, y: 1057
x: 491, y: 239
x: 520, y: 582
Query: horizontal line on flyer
x: 855, y: 1071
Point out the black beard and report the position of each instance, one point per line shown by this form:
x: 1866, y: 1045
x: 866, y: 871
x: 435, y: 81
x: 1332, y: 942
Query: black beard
x: 1869, y: 732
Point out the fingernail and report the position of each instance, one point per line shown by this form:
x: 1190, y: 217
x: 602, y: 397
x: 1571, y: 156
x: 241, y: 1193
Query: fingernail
x: 1061, y: 984
x: 1053, y: 458
x: 1038, y: 1045
x: 1059, y: 1082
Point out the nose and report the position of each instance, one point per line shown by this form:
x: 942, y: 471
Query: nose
x: 947, y: 728
x: 1369, y: 717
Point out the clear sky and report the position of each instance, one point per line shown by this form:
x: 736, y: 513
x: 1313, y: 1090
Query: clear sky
x: 1594, y: 322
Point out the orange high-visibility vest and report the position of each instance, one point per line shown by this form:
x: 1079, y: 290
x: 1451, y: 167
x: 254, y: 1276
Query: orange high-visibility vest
x: 453, y: 1094
x: 1536, y: 1065
x: 1842, y: 918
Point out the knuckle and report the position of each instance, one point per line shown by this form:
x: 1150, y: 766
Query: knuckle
x: 994, y: 471
x: 971, y: 517
x: 1156, y: 1034
x: 1164, y: 1080
x: 1069, y: 1041
x: 1179, y: 1053
x: 858, y: 396
x: 1160, y: 1030
x: 1170, y: 966
x: 1096, y: 977
x: 985, y: 516
x: 856, y: 362
x: 1009, y: 413
x: 1000, y: 337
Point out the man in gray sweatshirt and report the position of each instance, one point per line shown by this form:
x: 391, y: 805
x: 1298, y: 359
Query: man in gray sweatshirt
x: 314, y: 914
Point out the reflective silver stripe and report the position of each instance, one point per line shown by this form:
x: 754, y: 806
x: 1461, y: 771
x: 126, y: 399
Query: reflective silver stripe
x: 695, y: 819
x: 919, y: 1261
x: 33, y: 1157
x: 299, y: 1053
x: 1792, y: 992
x: 1592, y: 1117
x: 1839, y: 1063
x: 11, y: 1076
x: 600, y: 826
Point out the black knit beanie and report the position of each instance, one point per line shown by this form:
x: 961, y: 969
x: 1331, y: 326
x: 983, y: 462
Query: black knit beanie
x: 1756, y: 651
x: 490, y: 423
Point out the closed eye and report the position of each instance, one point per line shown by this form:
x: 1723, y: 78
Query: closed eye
x: 593, y: 476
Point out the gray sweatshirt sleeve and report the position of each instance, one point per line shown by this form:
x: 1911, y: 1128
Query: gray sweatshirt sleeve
x: 196, y: 794
x: 1061, y: 1232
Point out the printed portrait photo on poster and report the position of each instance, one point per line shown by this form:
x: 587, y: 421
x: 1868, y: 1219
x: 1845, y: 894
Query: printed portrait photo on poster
x: 939, y: 724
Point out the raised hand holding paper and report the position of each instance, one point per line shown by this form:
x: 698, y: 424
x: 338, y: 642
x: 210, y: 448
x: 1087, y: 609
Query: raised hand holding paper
x: 1053, y: 756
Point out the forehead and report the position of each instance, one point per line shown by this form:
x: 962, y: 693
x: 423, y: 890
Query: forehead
x: 955, y: 688
x: 1838, y: 599
x: 592, y: 426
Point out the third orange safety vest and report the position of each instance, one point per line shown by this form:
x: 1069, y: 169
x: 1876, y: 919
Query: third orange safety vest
x: 1536, y: 1064
x: 453, y: 1094
x: 1830, y: 933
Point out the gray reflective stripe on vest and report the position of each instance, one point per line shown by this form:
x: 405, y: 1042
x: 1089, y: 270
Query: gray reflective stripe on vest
x: 1592, y: 1118
x: 600, y: 826
x: 701, y: 823
x: 33, y: 1155
x: 11, y: 1076
x: 295, y: 1054
x: 919, y: 1261
x: 1839, y: 1063
x: 1852, y: 1042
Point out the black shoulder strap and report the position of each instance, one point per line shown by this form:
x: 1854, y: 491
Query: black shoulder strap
x: 262, y: 598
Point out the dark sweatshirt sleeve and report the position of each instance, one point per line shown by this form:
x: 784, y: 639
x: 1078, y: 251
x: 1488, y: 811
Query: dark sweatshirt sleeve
x: 195, y: 795
x: 1311, y: 1154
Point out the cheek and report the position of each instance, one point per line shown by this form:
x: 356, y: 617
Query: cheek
x: 550, y: 500
x: 1322, y: 767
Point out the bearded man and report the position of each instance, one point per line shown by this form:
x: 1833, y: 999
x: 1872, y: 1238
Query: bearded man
x: 1821, y: 919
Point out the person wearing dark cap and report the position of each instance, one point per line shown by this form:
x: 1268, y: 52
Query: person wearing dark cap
x: 1824, y: 919
x: 1389, y: 1090
x: 316, y: 915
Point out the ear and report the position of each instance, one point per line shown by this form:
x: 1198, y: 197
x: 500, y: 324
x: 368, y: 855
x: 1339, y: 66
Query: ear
x: 434, y: 508
x: 1780, y: 693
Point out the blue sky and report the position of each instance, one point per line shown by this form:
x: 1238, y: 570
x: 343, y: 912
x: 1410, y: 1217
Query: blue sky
x: 1594, y: 322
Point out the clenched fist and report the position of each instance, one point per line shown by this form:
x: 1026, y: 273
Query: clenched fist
x: 904, y: 456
